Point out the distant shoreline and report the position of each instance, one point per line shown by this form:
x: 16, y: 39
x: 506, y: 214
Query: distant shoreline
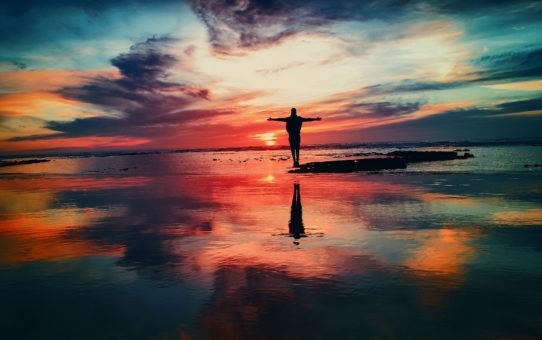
x: 23, y: 162
x: 398, y: 145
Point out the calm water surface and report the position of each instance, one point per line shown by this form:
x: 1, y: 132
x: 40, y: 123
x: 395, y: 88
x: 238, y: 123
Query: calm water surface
x: 229, y: 245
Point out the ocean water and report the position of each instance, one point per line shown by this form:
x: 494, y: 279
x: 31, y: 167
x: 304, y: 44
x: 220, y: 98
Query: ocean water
x: 228, y: 244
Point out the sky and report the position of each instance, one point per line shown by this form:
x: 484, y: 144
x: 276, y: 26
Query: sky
x: 133, y: 74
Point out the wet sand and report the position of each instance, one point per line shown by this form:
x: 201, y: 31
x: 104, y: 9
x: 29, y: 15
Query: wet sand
x: 95, y: 251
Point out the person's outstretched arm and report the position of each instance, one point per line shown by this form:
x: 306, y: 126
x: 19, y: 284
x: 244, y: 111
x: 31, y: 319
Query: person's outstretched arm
x: 278, y: 119
x: 311, y: 119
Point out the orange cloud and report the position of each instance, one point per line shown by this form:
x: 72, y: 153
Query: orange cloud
x: 74, y: 143
x: 46, y: 80
x: 532, y: 85
x: 37, y: 104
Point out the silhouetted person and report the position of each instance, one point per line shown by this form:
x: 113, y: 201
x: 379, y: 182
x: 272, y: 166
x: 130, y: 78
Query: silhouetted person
x: 295, y: 226
x: 293, y: 126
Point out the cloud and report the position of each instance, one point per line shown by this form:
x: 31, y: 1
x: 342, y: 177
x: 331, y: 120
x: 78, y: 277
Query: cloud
x: 383, y: 109
x: 409, y: 85
x: 237, y: 25
x: 145, y: 61
x: 246, y: 24
x: 491, y: 69
x: 519, y: 106
x: 141, y: 102
x: 465, y: 124
x: 352, y: 105
x: 509, y: 66
x: 19, y: 65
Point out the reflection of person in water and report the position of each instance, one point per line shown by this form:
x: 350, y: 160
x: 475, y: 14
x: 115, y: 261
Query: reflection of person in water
x: 297, y: 229
x: 293, y: 126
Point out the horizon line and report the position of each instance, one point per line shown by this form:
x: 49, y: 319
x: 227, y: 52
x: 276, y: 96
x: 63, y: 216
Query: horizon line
x: 536, y: 141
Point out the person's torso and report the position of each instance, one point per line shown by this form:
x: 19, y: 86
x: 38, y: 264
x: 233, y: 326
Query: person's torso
x: 293, y: 125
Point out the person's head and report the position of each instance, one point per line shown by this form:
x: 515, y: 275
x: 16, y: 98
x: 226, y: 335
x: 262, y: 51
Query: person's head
x: 293, y: 112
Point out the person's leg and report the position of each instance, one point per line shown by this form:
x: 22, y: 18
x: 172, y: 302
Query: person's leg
x: 297, y: 147
x: 292, y: 148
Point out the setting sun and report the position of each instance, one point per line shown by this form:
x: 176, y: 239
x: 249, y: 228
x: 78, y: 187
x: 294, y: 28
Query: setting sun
x: 269, y: 138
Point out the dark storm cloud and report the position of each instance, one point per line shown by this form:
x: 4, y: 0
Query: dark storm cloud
x: 256, y: 23
x: 409, y: 85
x: 495, y: 112
x: 19, y: 65
x: 383, y: 109
x: 245, y: 24
x: 519, y: 106
x: 509, y: 66
x: 145, y: 61
x: 493, y: 122
x: 148, y: 104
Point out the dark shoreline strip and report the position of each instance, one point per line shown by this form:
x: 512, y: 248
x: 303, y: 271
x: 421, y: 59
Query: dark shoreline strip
x: 27, y: 161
